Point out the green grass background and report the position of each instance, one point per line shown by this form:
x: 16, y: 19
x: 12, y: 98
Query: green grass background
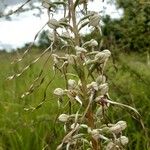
x: 34, y: 130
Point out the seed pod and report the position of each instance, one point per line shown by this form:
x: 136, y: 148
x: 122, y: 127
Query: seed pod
x: 63, y: 118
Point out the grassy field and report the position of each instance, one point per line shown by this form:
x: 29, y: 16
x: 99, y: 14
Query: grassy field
x: 36, y: 130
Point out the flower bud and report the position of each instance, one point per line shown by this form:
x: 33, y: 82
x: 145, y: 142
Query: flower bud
x: 63, y: 118
x: 59, y: 92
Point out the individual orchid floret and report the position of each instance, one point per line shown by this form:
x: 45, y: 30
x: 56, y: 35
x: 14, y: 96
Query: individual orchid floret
x: 118, y: 127
x: 91, y: 43
x: 74, y: 125
x: 94, y: 20
x: 72, y: 94
x: 72, y: 84
x: 63, y: 117
x: 93, y: 85
x: 123, y: 140
x: 53, y: 24
x: 71, y: 58
x: 102, y: 56
x: 103, y: 88
x: 101, y: 79
x: 59, y: 92
x: 80, y: 50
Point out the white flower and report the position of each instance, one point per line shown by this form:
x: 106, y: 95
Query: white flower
x: 66, y: 35
x: 80, y: 50
x: 123, y: 140
x: 59, y: 92
x: 93, y: 85
x: 72, y: 83
x: 63, y: 118
x: 74, y: 125
x: 122, y: 124
x: 102, y: 56
x: 71, y: 58
x: 93, y: 42
x: 118, y: 127
x: 103, y: 88
x: 101, y: 79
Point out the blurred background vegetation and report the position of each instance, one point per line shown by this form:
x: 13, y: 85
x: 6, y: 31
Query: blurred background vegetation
x: 128, y: 73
